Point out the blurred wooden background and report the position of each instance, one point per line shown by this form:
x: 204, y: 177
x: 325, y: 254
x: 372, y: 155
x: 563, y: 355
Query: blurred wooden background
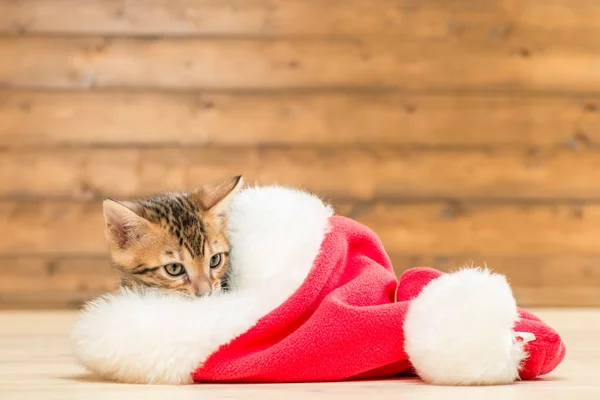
x: 459, y: 130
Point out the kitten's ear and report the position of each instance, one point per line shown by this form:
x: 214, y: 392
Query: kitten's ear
x: 123, y: 225
x: 215, y: 197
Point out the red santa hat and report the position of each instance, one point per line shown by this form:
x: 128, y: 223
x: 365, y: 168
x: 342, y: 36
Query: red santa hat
x: 314, y: 298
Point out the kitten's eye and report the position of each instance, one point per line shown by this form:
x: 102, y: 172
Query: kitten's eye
x: 215, y: 260
x: 175, y: 269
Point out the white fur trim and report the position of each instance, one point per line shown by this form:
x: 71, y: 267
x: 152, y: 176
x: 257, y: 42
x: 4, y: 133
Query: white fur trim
x: 276, y: 234
x: 459, y: 330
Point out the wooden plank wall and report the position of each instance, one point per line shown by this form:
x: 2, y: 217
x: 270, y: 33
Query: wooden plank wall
x: 461, y: 131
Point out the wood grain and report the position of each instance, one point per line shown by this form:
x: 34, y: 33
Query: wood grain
x: 536, y: 281
x: 533, y: 272
x: 58, y: 62
x: 54, y: 281
x: 30, y: 275
x: 52, y: 228
x: 457, y: 19
x: 67, y: 281
x: 485, y: 230
x: 38, y: 118
x: 243, y: 17
x: 369, y: 173
x: 584, y: 296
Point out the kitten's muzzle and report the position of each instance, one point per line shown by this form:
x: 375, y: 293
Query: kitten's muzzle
x: 202, y: 289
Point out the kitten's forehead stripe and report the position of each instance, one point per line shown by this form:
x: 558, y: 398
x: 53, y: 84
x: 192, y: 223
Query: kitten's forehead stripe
x: 181, y: 217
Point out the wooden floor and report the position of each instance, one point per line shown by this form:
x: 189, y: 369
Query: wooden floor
x: 35, y: 363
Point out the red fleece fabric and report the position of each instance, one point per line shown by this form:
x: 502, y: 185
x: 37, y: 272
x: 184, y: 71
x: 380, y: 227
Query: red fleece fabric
x: 346, y: 321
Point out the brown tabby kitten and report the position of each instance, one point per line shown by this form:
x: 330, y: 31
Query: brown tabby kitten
x: 173, y: 241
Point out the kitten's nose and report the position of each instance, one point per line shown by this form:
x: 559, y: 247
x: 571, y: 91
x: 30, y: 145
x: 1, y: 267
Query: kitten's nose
x: 202, y: 289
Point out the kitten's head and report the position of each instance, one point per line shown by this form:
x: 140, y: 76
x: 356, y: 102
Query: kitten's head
x: 173, y: 241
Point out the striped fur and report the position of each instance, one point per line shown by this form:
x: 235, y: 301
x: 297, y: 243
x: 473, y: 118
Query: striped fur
x: 186, y: 228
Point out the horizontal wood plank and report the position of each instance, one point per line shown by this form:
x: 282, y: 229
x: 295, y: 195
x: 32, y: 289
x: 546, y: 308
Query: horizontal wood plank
x: 55, y: 275
x: 34, y: 118
x: 532, y: 272
x: 243, y: 17
x: 57, y: 62
x: 484, y: 19
x: 357, y: 173
x: 47, y: 301
x: 557, y: 296
x: 487, y: 230
x: 55, y: 281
